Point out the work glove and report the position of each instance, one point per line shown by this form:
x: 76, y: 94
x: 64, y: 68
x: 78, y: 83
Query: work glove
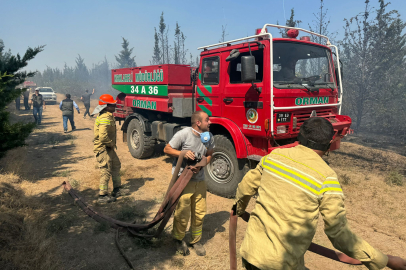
x: 234, y: 209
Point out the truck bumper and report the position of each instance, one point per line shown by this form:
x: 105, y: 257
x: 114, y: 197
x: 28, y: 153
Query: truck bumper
x: 341, y: 129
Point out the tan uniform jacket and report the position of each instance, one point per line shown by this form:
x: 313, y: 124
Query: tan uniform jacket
x: 104, y: 132
x: 294, y: 185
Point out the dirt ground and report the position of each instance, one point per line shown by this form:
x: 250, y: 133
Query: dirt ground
x: 375, y: 209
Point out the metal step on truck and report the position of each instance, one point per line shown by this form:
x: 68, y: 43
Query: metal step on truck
x: 257, y: 90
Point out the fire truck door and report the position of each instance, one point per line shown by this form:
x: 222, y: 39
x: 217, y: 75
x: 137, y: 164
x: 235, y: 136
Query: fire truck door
x: 208, y: 86
x: 241, y: 102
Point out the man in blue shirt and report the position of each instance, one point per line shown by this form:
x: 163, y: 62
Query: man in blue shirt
x: 66, y: 106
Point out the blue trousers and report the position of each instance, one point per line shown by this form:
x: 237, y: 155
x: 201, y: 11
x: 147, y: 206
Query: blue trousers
x: 65, y: 122
x: 18, y: 104
x: 37, y: 112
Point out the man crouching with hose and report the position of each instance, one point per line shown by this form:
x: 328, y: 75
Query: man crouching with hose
x: 192, y: 203
x: 294, y: 185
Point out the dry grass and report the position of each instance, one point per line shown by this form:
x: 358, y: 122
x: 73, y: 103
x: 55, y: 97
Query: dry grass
x: 344, y: 179
x: 101, y: 227
x: 61, y: 222
x: 24, y: 241
x: 375, y: 210
x: 64, y: 173
x: 74, y: 183
x: 395, y: 179
x: 130, y: 212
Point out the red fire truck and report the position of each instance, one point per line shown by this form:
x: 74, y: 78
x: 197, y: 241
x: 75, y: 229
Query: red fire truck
x: 257, y: 90
x: 30, y: 85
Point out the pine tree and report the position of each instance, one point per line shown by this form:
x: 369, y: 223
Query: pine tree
x: 167, y: 47
x: 100, y: 76
x: 13, y: 135
x: 176, y: 49
x: 375, y: 54
x: 223, y: 33
x: 356, y: 50
x: 389, y: 51
x: 162, y: 38
x: 179, y: 51
x: 291, y: 22
x: 81, y: 71
x: 320, y: 25
x: 183, y: 51
x: 156, y: 58
x: 124, y: 58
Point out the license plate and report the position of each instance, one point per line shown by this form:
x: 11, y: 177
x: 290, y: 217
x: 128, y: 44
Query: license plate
x: 283, y: 117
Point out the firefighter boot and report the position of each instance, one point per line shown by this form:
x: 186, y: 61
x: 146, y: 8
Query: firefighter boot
x: 119, y: 191
x: 181, y: 247
x: 200, y: 251
x: 105, y: 199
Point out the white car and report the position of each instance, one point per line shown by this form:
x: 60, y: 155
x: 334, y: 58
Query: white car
x: 48, y: 94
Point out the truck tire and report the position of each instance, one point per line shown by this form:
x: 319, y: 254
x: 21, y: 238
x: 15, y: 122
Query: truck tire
x: 140, y: 144
x: 225, y: 171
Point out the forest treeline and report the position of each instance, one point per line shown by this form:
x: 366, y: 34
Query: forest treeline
x: 372, y: 50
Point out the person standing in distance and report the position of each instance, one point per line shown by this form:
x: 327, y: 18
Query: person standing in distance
x: 26, y: 95
x: 104, y: 141
x: 294, y: 186
x: 66, y: 106
x: 86, y: 101
x: 192, y: 203
x: 38, y: 103
x: 18, y: 103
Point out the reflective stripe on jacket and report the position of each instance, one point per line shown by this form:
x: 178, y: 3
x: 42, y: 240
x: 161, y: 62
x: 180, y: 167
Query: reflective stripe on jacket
x: 104, y: 132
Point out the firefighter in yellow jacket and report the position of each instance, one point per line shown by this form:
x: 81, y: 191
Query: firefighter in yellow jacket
x: 104, y: 148
x: 294, y: 185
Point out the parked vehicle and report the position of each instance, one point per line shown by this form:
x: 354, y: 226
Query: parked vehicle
x: 48, y: 94
x: 257, y: 90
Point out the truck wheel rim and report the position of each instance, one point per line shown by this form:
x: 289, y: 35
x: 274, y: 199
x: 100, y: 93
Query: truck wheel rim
x: 135, y: 139
x: 221, y: 168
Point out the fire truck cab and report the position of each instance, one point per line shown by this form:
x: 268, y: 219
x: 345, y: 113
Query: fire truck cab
x: 257, y: 91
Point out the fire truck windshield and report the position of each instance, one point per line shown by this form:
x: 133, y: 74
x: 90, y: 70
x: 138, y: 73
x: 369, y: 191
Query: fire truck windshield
x: 302, y: 64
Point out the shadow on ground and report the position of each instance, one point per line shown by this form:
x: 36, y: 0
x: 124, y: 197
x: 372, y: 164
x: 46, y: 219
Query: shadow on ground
x: 79, y: 234
x: 46, y: 154
x: 213, y: 223
x: 136, y: 183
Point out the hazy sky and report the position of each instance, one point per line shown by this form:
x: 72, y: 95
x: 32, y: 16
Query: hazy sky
x: 94, y: 29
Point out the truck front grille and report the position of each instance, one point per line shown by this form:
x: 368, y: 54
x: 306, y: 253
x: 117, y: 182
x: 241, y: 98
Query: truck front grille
x: 302, y: 116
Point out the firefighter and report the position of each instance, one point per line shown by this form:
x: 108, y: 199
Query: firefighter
x: 192, y: 203
x: 104, y: 149
x: 294, y: 185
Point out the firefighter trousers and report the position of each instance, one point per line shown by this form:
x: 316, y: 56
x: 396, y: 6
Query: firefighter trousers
x: 110, y: 166
x: 192, y: 204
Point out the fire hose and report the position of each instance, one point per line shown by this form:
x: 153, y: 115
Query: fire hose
x: 175, y: 188
x: 323, y: 251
